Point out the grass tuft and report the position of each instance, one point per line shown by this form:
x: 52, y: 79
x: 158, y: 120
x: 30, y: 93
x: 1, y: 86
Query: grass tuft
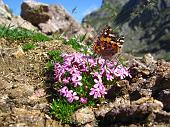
x: 28, y: 46
x: 21, y: 34
x: 55, y: 56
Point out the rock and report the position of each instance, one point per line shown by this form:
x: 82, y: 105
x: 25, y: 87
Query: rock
x: 21, y: 91
x: 140, y: 110
x: 19, y: 53
x: 35, y: 12
x: 4, y: 10
x: 103, y: 16
x: 51, y: 19
x: 53, y: 123
x: 163, y: 117
x: 38, y: 93
x: 83, y: 116
x: 103, y: 109
x: 164, y: 97
x: 9, y: 20
x: 17, y: 21
x: 20, y: 117
x: 162, y: 79
x: 23, y: 117
x: 88, y: 125
x: 122, y: 87
x: 4, y: 105
x: 4, y: 84
x: 149, y: 59
x: 21, y: 78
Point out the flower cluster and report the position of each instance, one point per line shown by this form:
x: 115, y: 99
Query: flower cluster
x: 69, y: 94
x: 75, y: 69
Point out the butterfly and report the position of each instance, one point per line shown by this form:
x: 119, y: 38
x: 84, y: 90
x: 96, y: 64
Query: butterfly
x: 108, y: 43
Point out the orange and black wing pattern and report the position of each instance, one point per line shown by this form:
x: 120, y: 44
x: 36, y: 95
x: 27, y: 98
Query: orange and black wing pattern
x: 108, y: 43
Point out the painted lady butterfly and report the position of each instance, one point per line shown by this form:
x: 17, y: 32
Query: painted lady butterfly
x: 108, y: 43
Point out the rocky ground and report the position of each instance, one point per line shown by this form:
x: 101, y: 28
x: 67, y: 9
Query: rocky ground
x: 22, y: 84
x: 25, y: 93
x: 140, y: 101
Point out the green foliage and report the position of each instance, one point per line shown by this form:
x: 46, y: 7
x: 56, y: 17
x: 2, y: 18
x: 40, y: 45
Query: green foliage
x: 82, y: 38
x: 28, y: 46
x: 55, y: 56
x: 62, y: 110
x: 75, y: 42
x: 122, y: 60
x: 21, y: 34
x: 58, y: 36
x: 39, y: 37
x: 79, y: 88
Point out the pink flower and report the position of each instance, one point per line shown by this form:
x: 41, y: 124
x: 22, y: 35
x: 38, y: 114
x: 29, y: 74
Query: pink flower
x: 77, y: 68
x: 121, y: 72
x: 101, y: 61
x: 71, y: 96
x: 92, y: 62
x: 96, y: 75
x: 109, y: 77
x: 66, y: 80
x: 103, y: 70
x: 83, y: 100
x: 64, y: 91
x: 98, y: 89
x: 73, y: 70
x: 76, y: 79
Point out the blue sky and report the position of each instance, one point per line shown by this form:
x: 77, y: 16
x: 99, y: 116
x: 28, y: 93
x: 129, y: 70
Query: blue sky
x: 83, y: 7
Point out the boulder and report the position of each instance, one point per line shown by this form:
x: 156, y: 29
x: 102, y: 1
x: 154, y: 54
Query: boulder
x: 4, y: 10
x: 139, y: 111
x: 51, y: 19
x: 8, y: 19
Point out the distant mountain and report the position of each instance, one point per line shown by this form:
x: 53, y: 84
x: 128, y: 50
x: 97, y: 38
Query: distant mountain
x: 144, y: 23
x: 106, y: 14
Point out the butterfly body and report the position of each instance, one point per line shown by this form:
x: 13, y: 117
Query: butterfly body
x: 108, y: 43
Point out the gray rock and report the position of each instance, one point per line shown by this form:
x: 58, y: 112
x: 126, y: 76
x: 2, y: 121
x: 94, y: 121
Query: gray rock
x: 21, y: 90
x: 138, y: 111
x: 4, y: 10
x: 4, y: 84
x: 162, y: 79
x: 164, y: 97
x: 83, y: 116
x: 103, y: 109
x: 8, y: 19
x: 35, y: 12
x: 23, y: 117
x: 51, y: 19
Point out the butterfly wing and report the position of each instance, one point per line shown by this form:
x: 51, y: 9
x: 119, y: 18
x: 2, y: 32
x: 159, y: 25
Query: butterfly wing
x: 108, y: 43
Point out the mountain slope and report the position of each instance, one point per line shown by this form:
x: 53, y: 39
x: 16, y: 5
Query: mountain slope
x: 145, y: 25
